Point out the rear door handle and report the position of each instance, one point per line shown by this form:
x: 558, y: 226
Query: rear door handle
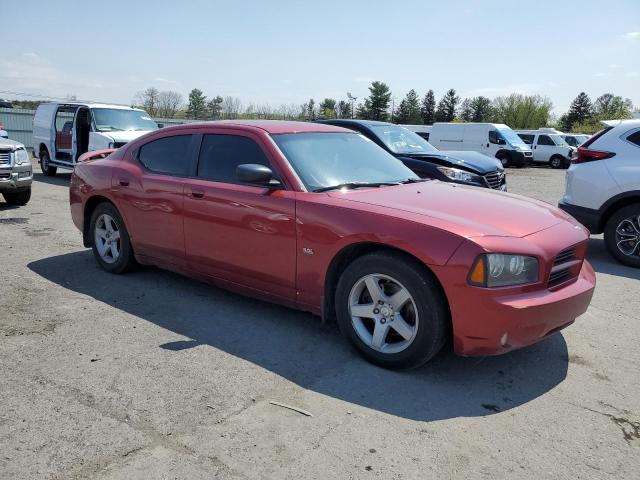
x: 124, y: 182
x: 197, y: 194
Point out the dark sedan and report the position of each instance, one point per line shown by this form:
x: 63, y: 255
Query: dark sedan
x: 469, y: 168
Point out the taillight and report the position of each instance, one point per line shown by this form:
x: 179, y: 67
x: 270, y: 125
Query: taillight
x: 585, y: 155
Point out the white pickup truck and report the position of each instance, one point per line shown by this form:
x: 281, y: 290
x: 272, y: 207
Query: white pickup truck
x: 64, y: 131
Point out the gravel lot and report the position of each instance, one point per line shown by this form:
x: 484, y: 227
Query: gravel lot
x: 152, y: 375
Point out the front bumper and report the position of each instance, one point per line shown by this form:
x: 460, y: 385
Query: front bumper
x: 524, y: 319
x: 16, y: 177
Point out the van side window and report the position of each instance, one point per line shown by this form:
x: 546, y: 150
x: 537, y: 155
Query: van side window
x: 545, y: 140
x: 634, y: 137
x: 168, y: 155
x: 528, y: 139
x: 220, y: 155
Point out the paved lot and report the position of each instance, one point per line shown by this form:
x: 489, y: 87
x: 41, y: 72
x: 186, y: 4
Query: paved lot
x: 151, y: 375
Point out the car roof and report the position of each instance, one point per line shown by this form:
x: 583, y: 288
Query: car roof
x: 353, y: 121
x: 272, y: 126
x: 94, y: 105
x: 631, y: 123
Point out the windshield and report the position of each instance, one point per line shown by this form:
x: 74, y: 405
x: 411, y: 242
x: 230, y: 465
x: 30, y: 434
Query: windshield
x: 325, y: 159
x: 402, y: 140
x: 558, y: 140
x: 511, y: 137
x: 117, y: 119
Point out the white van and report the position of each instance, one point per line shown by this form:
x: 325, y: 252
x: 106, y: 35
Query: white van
x: 493, y: 139
x: 422, y: 130
x: 64, y: 131
x: 549, y: 148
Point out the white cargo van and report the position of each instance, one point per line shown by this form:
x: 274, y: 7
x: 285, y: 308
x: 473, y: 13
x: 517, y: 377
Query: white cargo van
x: 423, y: 130
x: 493, y: 139
x: 64, y: 131
x: 549, y: 148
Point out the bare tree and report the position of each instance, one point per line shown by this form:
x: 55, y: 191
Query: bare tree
x: 169, y: 102
x: 148, y: 100
x: 231, y: 107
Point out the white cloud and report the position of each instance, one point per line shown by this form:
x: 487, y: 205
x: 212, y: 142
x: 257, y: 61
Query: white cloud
x: 613, y: 65
x: 165, y: 80
x: 632, y: 35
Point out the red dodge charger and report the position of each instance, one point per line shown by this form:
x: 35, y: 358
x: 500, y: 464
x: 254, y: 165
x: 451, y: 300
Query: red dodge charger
x: 321, y: 219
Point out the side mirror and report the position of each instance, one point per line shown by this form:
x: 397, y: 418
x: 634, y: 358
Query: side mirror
x: 501, y: 141
x: 259, y: 175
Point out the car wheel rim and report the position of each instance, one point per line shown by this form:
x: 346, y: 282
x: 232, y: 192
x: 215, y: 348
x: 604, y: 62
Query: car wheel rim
x: 555, y: 163
x: 628, y: 236
x: 383, y: 313
x: 107, y: 238
x: 45, y: 162
x: 503, y: 161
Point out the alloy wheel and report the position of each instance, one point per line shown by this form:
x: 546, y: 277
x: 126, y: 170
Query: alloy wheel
x: 628, y: 236
x: 383, y: 313
x: 107, y: 238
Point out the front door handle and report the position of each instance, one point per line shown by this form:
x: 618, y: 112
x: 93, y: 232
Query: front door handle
x: 197, y: 194
x: 124, y: 182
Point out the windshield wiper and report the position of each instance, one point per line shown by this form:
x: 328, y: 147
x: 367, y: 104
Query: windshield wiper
x: 355, y: 185
x: 413, y: 180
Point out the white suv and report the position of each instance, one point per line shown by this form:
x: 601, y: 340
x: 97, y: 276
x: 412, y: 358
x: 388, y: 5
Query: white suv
x: 603, y: 188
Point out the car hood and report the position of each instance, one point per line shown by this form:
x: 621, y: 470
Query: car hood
x: 467, y: 211
x: 472, y: 161
x: 12, y: 144
x: 125, y: 136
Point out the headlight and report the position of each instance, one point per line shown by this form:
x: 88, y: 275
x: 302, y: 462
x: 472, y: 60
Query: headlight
x: 21, y: 156
x: 460, y: 175
x: 502, y: 270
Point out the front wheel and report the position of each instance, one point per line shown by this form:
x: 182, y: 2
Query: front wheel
x: 622, y: 235
x: 110, y: 239
x: 557, y: 161
x: 392, y: 310
x: 18, y: 198
x: 504, y: 159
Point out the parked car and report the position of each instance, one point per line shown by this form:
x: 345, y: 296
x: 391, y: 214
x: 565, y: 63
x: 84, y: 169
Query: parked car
x: 492, y: 139
x: 603, y: 188
x: 426, y: 161
x: 64, y: 131
x: 575, y: 139
x: 548, y: 148
x: 423, y: 130
x: 16, y: 173
x: 4, y: 134
x: 321, y: 219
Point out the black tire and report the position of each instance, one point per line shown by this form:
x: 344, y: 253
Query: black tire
x: 505, y: 159
x: 45, y: 166
x: 18, y: 198
x: 610, y: 237
x: 125, y: 260
x: 557, y: 161
x: 432, y: 327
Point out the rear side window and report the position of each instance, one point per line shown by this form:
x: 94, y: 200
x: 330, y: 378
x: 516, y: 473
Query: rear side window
x: 528, y: 139
x: 168, y: 155
x: 220, y: 155
x: 634, y: 137
x: 545, y: 140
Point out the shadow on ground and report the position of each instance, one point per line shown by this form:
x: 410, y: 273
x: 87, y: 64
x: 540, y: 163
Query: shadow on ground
x: 60, y: 179
x: 604, y: 263
x: 294, y: 345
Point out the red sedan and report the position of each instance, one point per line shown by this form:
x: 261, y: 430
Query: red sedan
x: 321, y: 219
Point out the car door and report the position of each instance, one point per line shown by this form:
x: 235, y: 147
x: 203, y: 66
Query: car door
x: 239, y: 233
x: 151, y: 193
x: 543, y: 148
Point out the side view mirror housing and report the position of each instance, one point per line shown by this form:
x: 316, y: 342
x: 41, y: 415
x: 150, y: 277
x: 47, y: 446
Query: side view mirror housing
x: 258, y: 175
x: 501, y: 141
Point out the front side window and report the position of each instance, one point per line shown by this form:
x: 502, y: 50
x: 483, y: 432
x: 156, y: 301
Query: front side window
x: 323, y: 160
x: 545, y: 140
x: 402, y: 140
x: 168, y: 155
x: 220, y: 156
x: 121, y: 119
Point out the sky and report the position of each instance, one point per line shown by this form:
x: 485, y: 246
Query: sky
x: 289, y: 51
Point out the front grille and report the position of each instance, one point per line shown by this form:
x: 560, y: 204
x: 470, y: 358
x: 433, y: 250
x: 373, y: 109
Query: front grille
x: 5, y: 176
x: 5, y: 157
x: 494, y: 179
x: 565, y: 269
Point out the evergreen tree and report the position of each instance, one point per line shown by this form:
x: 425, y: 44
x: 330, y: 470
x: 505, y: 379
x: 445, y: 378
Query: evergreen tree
x: 612, y: 107
x: 466, y: 110
x: 343, y: 110
x: 428, y: 108
x: 579, y: 111
x: 401, y: 115
x: 214, y: 107
x: 376, y: 106
x: 197, y: 107
x: 327, y: 108
x: 446, y: 110
x: 481, y: 109
x: 311, y: 109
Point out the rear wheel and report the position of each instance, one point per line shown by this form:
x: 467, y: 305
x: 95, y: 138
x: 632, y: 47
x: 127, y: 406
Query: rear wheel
x: 557, y: 161
x: 18, y: 198
x: 392, y: 310
x: 622, y: 235
x: 45, y: 164
x: 110, y: 239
